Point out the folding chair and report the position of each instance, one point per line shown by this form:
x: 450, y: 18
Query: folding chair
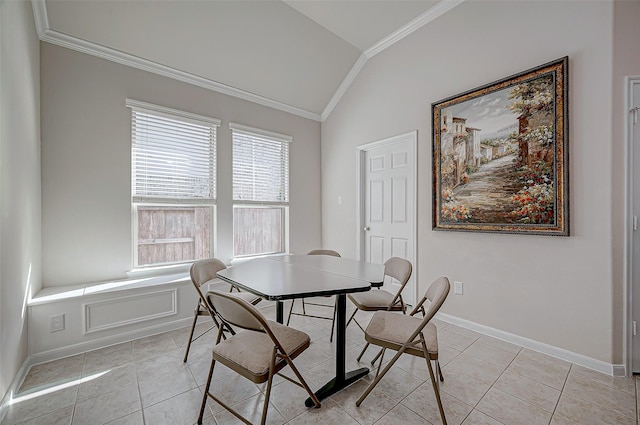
x: 380, y: 299
x: 202, y: 272
x: 332, y: 307
x: 257, y: 353
x: 410, y: 335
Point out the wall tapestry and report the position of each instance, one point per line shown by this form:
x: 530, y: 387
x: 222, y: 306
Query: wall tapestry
x: 500, y: 155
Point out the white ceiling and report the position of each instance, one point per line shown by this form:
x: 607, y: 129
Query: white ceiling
x: 295, y: 55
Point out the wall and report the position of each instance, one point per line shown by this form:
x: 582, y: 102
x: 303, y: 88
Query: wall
x: 86, y: 156
x: 20, y: 275
x: 554, y: 290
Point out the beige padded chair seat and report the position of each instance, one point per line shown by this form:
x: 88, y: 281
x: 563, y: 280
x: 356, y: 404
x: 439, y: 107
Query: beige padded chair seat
x: 391, y: 330
x: 376, y: 299
x: 249, y: 353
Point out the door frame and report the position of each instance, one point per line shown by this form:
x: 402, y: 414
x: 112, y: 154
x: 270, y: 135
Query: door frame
x: 628, y: 273
x: 412, y: 138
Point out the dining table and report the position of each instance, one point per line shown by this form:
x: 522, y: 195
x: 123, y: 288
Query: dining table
x: 287, y: 277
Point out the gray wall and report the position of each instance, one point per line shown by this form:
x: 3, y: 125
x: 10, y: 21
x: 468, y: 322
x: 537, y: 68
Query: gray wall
x: 19, y: 181
x: 86, y: 159
x: 558, y: 291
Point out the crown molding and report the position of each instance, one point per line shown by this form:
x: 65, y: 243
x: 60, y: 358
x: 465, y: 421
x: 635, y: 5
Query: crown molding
x: 45, y: 33
x: 40, y: 17
x: 50, y: 36
x: 344, y: 86
x: 415, y: 24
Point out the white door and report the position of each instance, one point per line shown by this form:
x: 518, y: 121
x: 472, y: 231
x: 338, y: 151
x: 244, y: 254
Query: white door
x: 634, y: 135
x: 387, y: 225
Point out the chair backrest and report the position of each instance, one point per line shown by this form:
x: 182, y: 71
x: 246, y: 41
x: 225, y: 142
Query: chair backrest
x: 236, y: 311
x: 203, y: 271
x: 324, y: 252
x: 436, y: 294
x: 399, y: 269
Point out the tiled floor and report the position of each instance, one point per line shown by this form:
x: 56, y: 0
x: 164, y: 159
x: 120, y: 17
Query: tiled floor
x: 487, y: 382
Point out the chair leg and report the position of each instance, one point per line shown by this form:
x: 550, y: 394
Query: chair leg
x: 434, y: 382
x: 272, y: 366
x: 439, y: 369
x: 381, y: 355
x: 333, y: 320
x: 351, y: 318
x: 376, y: 356
x: 206, y: 391
x: 379, y: 377
x: 290, y: 311
x: 193, y: 328
x: 436, y: 391
x: 362, y: 352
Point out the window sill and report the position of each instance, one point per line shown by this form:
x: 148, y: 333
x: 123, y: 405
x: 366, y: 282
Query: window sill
x: 61, y: 293
x: 240, y: 260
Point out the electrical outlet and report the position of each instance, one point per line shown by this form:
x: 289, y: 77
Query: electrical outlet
x: 457, y: 288
x: 56, y: 323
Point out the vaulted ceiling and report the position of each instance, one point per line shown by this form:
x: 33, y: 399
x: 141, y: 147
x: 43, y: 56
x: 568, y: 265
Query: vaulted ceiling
x: 295, y: 55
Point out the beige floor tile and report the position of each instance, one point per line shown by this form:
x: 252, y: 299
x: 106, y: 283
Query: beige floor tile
x: 108, y: 358
x: 533, y: 392
x: 57, y: 417
x: 446, y: 354
x: 162, y: 377
x: 153, y: 346
x: 464, y: 387
x: 107, y: 407
x: 54, y: 372
x: 289, y: 399
x: 474, y: 367
x: 252, y: 410
x: 401, y: 415
x: 627, y: 384
x: 374, y: 406
x: 329, y: 414
x: 397, y: 383
x: 133, y: 419
x: 478, y: 418
x: 107, y: 381
x: 541, y: 368
x: 423, y: 402
x: 457, y: 337
x: 510, y: 410
x: 416, y: 366
x: 491, y: 353
x: 601, y: 395
x: 583, y: 412
x: 30, y: 405
x: 233, y: 388
x: 182, y: 409
x: 499, y: 343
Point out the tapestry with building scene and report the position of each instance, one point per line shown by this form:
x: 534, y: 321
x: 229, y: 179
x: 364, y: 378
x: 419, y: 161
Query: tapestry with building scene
x: 500, y: 155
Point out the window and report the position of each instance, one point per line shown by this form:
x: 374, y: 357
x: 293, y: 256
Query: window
x: 173, y: 186
x: 260, y: 191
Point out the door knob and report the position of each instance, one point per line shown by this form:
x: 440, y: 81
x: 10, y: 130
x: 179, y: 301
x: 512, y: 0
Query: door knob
x: 366, y: 229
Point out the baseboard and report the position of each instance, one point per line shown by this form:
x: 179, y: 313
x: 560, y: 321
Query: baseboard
x: 94, y: 344
x: 560, y: 353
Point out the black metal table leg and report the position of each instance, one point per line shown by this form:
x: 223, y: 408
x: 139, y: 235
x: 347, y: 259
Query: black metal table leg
x: 279, y: 312
x: 343, y: 379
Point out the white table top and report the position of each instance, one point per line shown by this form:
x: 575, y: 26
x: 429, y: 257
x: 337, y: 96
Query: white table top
x: 299, y: 276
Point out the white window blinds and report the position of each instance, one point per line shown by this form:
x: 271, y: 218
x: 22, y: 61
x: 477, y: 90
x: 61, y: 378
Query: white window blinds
x: 173, y: 155
x: 260, y: 166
